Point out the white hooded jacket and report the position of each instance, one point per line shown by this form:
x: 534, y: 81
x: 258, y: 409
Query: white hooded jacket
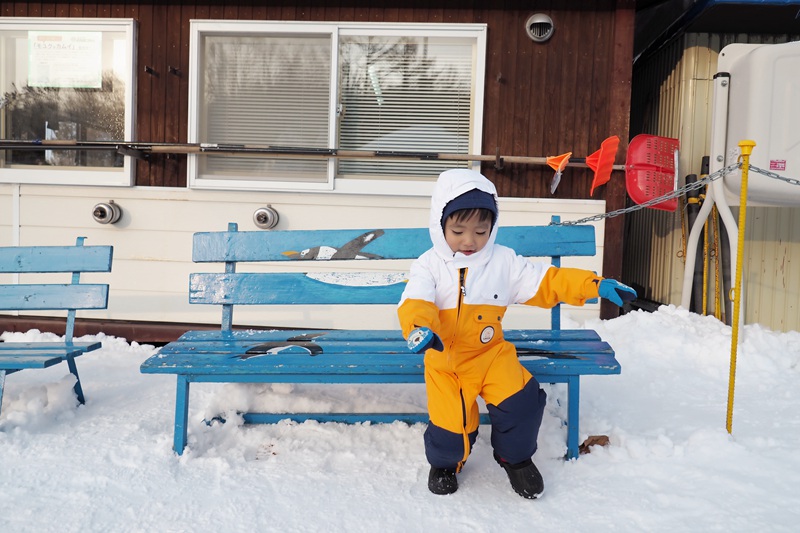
x: 458, y: 296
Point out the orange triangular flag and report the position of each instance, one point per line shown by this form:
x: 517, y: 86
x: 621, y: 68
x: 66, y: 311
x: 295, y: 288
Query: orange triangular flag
x: 602, y: 162
x: 557, y: 163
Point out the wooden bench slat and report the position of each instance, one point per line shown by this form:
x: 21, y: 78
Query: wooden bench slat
x: 20, y: 362
x: 266, y: 335
x: 64, y: 346
x: 41, y: 259
x: 46, y: 297
x: 284, y: 288
x: 295, y: 288
x: 398, y: 243
x: 371, y: 347
x: 214, y: 369
x: 231, y: 360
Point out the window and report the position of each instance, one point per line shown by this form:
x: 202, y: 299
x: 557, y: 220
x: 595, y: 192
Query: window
x: 314, y: 87
x: 67, y: 80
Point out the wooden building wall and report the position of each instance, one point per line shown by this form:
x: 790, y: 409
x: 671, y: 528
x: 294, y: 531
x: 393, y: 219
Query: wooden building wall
x: 565, y: 95
x: 541, y: 99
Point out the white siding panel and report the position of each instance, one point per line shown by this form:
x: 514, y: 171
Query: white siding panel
x: 6, y: 214
x: 153, y: 240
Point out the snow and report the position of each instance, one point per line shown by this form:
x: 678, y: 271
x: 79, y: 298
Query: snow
x: 670, y: 465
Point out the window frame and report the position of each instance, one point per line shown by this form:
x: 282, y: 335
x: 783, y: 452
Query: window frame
x: 92, y: 176
x: 333, y: 184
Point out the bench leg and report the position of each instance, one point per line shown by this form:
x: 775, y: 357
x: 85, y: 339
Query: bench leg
x: 181, y: 414
x: 73, y: 368
x: 573, y: 408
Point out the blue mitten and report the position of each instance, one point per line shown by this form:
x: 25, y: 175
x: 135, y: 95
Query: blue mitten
x: 422, y: 339
x: 615, y: 291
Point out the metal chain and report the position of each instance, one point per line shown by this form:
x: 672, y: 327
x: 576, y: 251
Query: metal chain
x: 774, y: 176
x: 678, y: 192
x: 669, y: 196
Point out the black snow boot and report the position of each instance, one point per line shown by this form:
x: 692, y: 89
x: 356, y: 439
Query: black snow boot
x: 524, y: 477
x: 442, y: 480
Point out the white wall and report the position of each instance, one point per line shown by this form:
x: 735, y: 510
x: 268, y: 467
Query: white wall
x: 153, y: 244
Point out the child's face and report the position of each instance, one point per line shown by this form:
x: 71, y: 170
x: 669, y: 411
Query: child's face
x: 467, y: 236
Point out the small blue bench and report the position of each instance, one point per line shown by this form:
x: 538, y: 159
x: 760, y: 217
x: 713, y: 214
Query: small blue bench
x: 31, y: 261
x: 351, y: 356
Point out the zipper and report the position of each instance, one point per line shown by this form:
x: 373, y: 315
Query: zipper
x: 462, y: 291
x: 463, y: 428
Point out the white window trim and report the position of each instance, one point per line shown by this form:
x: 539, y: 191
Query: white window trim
x: 333, y: 185
x: 52, y: 175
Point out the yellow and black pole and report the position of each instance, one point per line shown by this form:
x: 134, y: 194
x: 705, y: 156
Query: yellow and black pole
x: 746, y: 148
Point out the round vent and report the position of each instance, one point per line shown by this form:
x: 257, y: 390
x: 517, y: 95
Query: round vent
x: 539, y: 27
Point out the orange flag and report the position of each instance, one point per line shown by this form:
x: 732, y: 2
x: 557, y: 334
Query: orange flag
x: 602, y: 162
x: 557, y: 163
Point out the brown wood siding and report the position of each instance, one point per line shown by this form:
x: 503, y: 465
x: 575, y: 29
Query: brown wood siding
x: 541, y: 99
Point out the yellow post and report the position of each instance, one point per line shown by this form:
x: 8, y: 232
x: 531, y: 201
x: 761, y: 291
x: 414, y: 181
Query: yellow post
x: 746, y: 148
x: 704, y: 308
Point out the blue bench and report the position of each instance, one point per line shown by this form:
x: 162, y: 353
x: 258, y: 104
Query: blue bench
x: 47, y: 260
x: 351, y: 356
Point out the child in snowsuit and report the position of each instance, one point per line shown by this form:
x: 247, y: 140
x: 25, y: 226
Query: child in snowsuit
x: 452, y: 308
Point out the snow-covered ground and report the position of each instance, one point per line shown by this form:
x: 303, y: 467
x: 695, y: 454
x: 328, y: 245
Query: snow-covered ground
x: 671, y: 466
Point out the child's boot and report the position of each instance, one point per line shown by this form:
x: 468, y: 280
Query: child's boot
x: 524, y: 477
x: 442, y: 480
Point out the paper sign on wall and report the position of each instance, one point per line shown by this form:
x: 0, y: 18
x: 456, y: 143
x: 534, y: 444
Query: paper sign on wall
x: 65, y: 59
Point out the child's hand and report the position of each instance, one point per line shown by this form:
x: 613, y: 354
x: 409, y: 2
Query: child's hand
x: 616, y: 292
x: 422, y: 339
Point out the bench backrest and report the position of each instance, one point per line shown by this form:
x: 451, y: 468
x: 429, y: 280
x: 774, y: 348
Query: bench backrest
x: 55, y: 296
x: 287, y: 288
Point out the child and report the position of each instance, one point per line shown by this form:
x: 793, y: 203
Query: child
x: 452, y: 308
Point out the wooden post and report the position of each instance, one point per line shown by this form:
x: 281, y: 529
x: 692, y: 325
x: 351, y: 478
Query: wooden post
x: 620, y: 105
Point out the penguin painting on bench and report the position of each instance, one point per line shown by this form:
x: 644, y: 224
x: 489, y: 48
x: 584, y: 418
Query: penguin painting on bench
x: 351, y: 250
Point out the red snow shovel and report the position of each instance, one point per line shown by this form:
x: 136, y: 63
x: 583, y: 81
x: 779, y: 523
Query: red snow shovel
x: 651, y: 170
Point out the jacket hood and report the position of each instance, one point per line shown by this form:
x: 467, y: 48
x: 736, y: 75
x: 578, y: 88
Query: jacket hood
x: 451, y: 184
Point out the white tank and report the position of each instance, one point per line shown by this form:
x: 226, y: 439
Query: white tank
x: 763, y: 106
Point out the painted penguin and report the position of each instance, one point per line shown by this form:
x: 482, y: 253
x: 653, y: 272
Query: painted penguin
x: 351, y: 250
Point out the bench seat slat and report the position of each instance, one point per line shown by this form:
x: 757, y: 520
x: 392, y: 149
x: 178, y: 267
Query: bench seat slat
x: 391, y: 347
x: 218, y: 369
x: 267, y: 335
x: 402, y: 243
x: 20, y: 355
x: 46, y: 297
x: 232, y: 361
x: 19, y: 361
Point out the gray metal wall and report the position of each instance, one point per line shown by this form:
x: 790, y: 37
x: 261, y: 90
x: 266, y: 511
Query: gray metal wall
x: 672, y: 96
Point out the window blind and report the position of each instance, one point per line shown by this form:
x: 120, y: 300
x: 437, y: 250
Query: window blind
x: 411, y: 94
x: 271, y: 90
